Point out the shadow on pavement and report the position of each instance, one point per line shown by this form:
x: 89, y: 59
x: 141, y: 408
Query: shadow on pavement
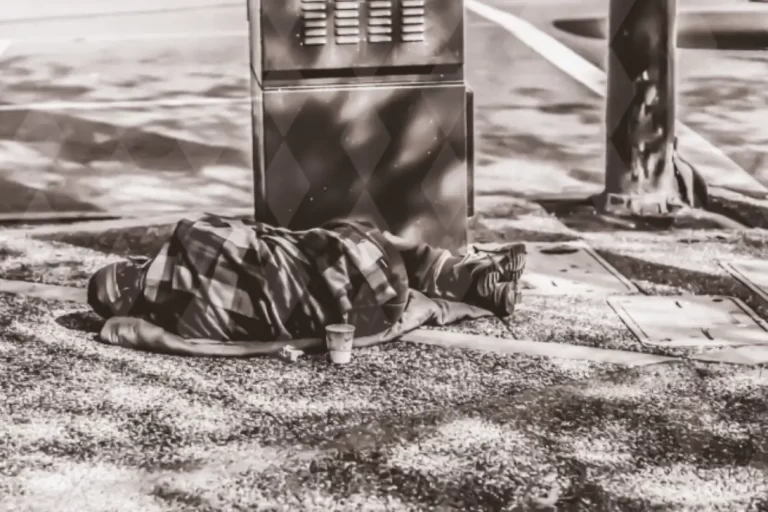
x: 646, y: 430
x: 483, y: 234
x: 652, y: 430
x: 19, y: 198
x: 691, y: 281
x: 631, y: 425
x: 83, y: 321
x: 85, y: 141
x: 131, y: 242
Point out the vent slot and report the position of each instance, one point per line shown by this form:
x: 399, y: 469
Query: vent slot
x: 347, y: 22
x: 314, y: 22
x: 413, y: 20
x: 380, y: 21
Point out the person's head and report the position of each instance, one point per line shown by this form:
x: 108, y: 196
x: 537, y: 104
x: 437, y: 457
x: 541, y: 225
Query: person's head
x: 114, y: 290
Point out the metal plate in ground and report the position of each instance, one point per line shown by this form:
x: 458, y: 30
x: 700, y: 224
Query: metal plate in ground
x: 751, y: 273
x: 571, y: 268
x: 690, y: 320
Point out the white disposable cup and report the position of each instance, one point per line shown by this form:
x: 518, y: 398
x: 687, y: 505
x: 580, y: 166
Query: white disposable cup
x: 339, y: 339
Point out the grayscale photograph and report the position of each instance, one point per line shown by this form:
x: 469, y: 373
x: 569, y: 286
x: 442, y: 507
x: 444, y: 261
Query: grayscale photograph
x: 383, y: 255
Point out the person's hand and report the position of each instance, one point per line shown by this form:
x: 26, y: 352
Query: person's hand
x: 129, y: 332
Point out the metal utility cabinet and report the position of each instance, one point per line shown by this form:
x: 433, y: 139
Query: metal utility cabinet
x: 360, y: 108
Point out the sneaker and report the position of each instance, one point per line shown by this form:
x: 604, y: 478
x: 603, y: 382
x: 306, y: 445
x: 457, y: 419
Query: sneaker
x: 501, y: 301
x: 496, y: 278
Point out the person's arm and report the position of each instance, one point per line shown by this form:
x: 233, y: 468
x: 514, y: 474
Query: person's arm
x: 139, y: 334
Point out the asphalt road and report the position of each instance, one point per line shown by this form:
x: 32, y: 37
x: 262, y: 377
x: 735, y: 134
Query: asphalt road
x: 538, y: 130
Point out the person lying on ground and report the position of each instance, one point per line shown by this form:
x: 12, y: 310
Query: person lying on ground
x: 227, y: 287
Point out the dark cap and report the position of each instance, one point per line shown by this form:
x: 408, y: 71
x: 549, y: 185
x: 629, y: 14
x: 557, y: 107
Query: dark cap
x: 114, y: 290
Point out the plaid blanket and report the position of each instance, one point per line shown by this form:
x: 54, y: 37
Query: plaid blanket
x: 228, y: 279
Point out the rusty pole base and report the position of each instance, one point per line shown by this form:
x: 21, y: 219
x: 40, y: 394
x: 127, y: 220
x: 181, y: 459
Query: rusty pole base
x: 659, y: 211
x: 638, y: 205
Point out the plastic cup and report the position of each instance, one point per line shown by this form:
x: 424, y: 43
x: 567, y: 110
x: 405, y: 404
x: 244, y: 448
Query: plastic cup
x: 338, y: 339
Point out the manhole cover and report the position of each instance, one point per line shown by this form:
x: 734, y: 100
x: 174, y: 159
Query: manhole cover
x: 691, y: 321
x: 571, y: 268
x: 752, y: 273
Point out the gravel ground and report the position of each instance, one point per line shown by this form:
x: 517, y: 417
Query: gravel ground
x: 164, y: 433
x: 69, y: 259
x: 406, y: 427
x: 49, y: 263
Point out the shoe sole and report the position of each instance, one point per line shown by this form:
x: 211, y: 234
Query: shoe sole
x: 510, y: 269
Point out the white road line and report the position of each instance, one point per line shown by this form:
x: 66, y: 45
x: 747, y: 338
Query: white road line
x: 4, y: 45
x: 106, y: 105
x: 545, y: 45
x: 594, y: 79
x: 135, y: 37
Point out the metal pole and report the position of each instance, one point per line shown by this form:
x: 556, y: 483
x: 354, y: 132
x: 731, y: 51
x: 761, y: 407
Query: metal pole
x: 640, y: 113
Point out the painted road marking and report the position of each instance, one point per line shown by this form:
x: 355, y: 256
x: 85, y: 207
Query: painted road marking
x: 594, y: 79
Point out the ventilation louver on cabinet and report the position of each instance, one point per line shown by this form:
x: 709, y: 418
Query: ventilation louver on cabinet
x: 314, y: 22
x: 380, y: 21
x: 412, y: 20
x: 347, y: 22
